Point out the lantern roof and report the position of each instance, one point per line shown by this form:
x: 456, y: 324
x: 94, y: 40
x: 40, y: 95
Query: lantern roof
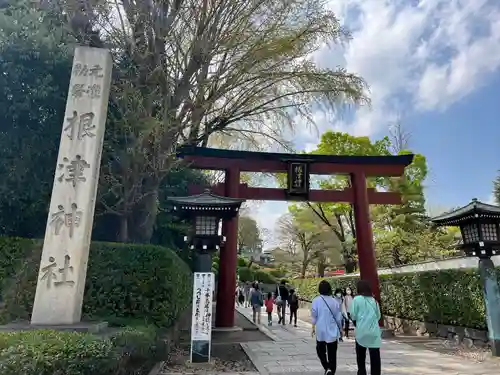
x: 206, y: 201
x: 473, y: 211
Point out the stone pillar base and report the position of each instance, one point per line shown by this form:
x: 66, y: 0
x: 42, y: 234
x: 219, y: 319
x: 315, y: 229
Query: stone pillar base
x: 90, y: 327
x: 495, y: 348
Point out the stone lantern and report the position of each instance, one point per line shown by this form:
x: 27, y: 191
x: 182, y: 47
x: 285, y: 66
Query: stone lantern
x: 205, y: 211
x: 479, y: 226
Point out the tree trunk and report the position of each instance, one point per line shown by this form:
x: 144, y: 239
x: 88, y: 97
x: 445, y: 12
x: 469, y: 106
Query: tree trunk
x: 350, y: 265
x: 303, y: 269
x: 123, y: 234
x: 144, y: 218
x: 321, y: 269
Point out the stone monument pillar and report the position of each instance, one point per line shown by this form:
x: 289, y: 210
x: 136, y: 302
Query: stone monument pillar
x: 63, y: 267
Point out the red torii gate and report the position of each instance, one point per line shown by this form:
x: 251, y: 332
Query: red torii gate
x: 298, y: 167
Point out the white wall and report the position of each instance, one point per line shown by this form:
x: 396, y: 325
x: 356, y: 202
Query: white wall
x: 461, y: 262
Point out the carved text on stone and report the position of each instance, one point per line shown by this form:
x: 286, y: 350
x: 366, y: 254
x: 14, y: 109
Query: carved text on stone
x: 80, y: 126
x: 74, y: 170
x: 49, y: 272
x: 78, y: 90
x: 62, y: 219
x: 84, y: 70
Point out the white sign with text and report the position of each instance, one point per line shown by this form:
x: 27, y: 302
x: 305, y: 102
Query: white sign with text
x: 201, y: 320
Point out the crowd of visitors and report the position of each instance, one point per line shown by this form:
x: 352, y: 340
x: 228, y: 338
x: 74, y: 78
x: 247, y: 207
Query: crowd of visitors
x: 332, y: 314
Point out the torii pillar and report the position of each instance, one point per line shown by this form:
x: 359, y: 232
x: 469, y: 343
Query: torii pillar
x: 228, y: 260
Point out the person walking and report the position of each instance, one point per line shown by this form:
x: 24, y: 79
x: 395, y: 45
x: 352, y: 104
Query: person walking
x: 293, y: 303
x: 326, y: 326
x: 365, y: 314
x: 269, y: 303
x: 247, y: 293
x: 346, y: 306
x: 257, y: 302
x: 241, y: 296
x: 339, y: 296
x: 281, y: 300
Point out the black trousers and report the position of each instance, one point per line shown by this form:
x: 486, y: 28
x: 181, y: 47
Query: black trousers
x: 346, y: 327
x: 375, y: 364
x: 327, y: 354
x: 283, y: 311
x: 293, y: 314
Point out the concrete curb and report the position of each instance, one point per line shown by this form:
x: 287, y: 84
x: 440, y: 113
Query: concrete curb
x: 156, y: 369
x: 261, y: 328
x: 253, y: 358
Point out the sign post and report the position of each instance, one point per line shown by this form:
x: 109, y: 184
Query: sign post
x: 201, y: 320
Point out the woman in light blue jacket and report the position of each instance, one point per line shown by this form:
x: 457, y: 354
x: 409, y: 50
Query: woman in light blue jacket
x: 327, y: 322
x: 365, y: 314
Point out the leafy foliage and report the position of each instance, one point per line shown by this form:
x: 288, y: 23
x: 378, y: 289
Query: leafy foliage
x: 248, y: 235
x: 452, y: 296
x: 308, y: 240
x: 124, y: 282
x: 43, y: 352
x: 200, y: 74
x: 35, y: 67
x: 14, y: 251
x: 403, y: 233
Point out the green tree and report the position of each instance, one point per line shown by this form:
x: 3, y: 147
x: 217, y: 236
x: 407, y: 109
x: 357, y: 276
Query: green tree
x: 400, y: 230
x: 32, y: 106
x: 186, y: 72
x: 249, y: 240
x: 32, y: 56
x: 339, y: 217
x: 307, y: 240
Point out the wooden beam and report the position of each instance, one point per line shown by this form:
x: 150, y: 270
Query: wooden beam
x: 276, y: 166
x: 324, y: 196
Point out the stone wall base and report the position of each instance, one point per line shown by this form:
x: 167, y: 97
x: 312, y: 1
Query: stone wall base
x: 460, y: 335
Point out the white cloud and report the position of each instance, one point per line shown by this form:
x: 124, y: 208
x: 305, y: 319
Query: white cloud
x: 491, y: 199
x: 415, y: 55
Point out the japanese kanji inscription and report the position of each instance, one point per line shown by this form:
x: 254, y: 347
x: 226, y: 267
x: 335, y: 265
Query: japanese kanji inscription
x: 69, y: 219
x: 49, y: 273
x: 80, y: 90
x: 62, y: 272
x: 80, y: 126
x: 84, y: 70
x: 73, y: 171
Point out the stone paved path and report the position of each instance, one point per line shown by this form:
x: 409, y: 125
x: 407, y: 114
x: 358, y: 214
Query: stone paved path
x: 293, y: 351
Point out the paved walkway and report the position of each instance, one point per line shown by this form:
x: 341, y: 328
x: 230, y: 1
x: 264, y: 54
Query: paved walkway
x: 293, y: 351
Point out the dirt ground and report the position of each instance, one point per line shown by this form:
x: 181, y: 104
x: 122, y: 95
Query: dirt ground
x: 226, y: 354
x: 224, y: 358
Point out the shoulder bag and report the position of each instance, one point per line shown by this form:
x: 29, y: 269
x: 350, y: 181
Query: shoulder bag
x: 333, y: 316
x: 278, y: 300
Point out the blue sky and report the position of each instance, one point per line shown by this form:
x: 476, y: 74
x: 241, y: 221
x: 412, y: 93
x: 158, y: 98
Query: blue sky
x: 434, y: 64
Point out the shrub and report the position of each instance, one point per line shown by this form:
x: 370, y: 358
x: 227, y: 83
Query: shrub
x: 246, y: 274
x: 242, y: 262
x: 264, y: 277
x: 45, y: 352
x: 125, y: 282
x: 277, y: 273
x: 452, y: 296
x: 13, y: 251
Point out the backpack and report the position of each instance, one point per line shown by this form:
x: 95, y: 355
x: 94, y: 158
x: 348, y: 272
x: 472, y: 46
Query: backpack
x: 294, y: 298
